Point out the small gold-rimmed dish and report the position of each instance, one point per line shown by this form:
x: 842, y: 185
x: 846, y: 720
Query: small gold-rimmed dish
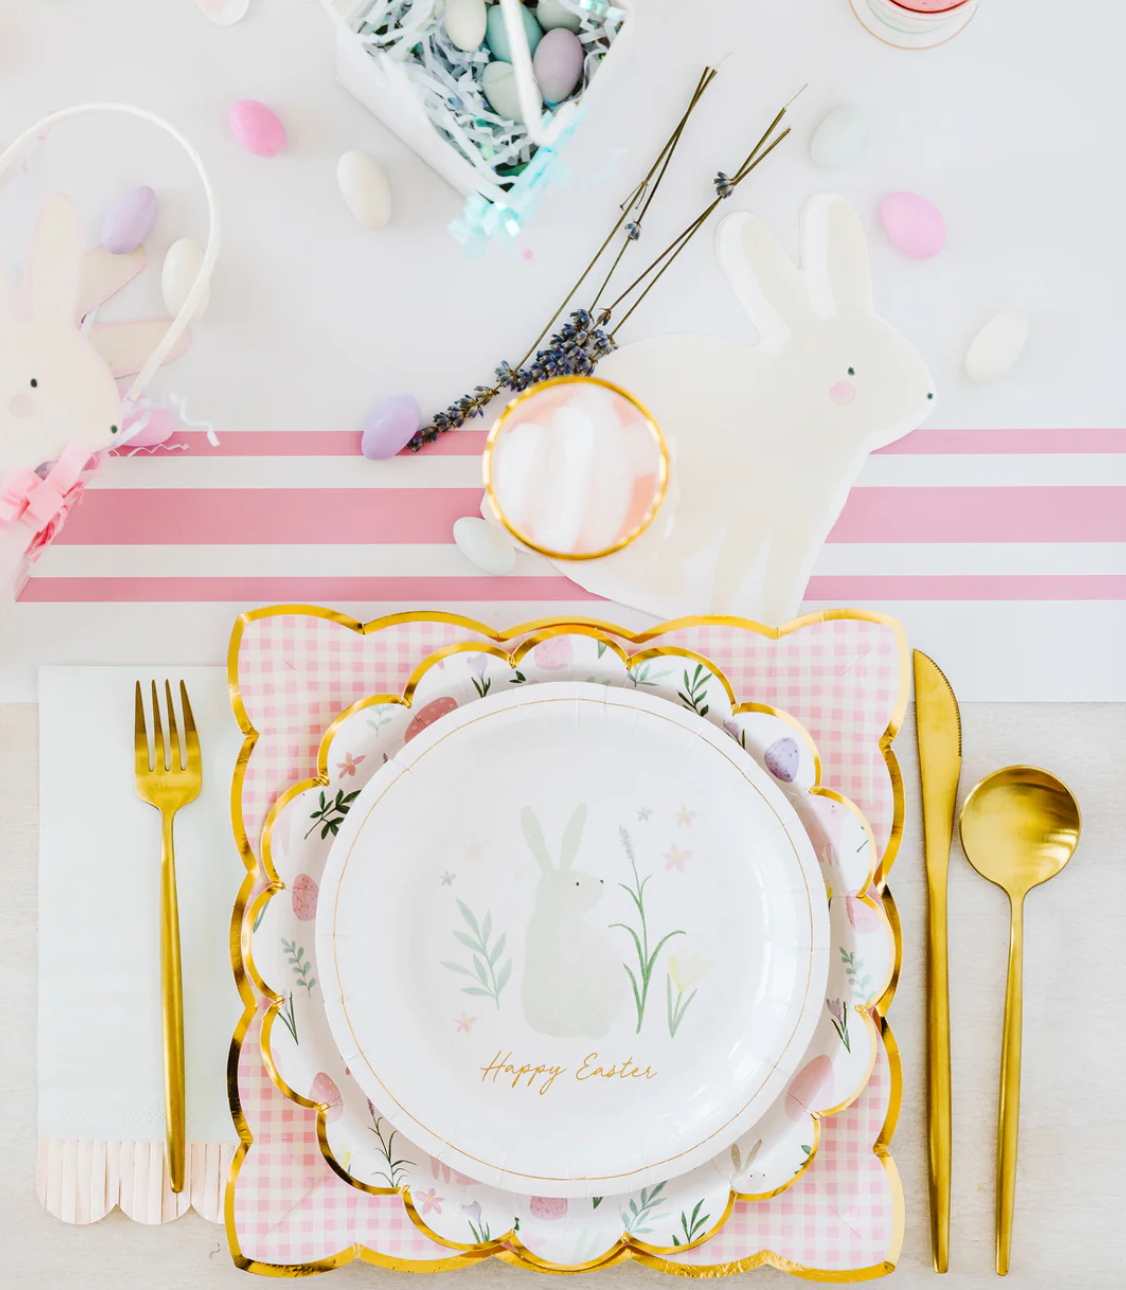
x: 575, y: 468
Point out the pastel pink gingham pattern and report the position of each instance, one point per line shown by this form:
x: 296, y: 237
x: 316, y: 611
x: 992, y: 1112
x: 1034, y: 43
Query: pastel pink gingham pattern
x: 294, y: 670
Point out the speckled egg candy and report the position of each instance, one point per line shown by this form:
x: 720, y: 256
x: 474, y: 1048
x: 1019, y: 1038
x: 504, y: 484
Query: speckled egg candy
x: 323, y: 1089
x: 465, y: 21
x: 256, y: 127
x: 558, y: 64
x: 782, y: 758
x: 390, y: 427
x: 913, y: 225
x: 130, y: 221
x: 428, y: 715
x: 485, y: 546
x: 365, y: 189
x: 304, y: 892
x: 496, y: 34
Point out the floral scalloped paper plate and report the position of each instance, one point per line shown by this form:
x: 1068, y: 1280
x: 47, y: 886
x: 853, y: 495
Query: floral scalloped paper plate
x: 449, y: 1207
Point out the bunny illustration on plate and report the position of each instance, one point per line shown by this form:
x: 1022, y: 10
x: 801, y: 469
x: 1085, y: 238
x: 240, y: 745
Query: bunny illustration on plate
x: 573, y: 983
x: 765, y: 440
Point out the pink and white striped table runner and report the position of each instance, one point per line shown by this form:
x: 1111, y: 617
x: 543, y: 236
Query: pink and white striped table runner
x: 1016, y: 534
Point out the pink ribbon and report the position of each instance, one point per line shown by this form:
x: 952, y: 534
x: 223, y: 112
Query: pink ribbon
x: 41, y: 502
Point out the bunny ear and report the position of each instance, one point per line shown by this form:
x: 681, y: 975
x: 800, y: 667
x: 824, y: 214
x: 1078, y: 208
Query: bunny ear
x: 769, y: 286
x: 835, y: 255
x: 56, y: 262
x: 534, y: 835
x: 572, y: 836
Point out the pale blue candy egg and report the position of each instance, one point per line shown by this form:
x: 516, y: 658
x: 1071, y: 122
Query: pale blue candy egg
x: 558, y: 64
x: 838, y: 138
x: 485, y: 546
x: 496, y: 34
x: 130, y: 221
x: 390, y: 426
x: 550, y: 14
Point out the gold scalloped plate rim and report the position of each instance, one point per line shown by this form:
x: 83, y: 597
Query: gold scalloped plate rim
x: 241, y: 961
x: 275, y: 885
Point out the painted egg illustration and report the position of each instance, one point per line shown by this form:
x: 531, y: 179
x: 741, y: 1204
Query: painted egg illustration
x: 304, y: 897
x: 862, y: 916
x: 548, y: 1208
x: 554, y: 654
x: 324, y: 1090
x: 807, y: 1090
x: 782, y: 759
x: 428, y: 715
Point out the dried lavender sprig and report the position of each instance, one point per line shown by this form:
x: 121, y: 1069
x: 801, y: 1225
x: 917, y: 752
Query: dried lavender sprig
x: 470, y: 406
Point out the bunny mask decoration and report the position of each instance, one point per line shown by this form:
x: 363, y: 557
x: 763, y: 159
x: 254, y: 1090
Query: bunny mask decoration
x: 765, y: 440
x: 573, y: 983
x: 59, y: 403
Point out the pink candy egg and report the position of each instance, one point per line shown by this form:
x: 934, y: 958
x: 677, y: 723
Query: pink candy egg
x: 256, y: 127
x: 914, y: 226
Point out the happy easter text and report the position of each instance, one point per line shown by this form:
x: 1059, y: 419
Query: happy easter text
x: 542, y: 1077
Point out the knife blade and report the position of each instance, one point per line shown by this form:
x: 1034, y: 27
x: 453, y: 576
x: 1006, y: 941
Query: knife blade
x: 940, y: 766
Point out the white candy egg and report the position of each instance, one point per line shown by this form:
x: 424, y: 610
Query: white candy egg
x: 364, y: 184
x: 465, y: 23
x: 998, y: 345
x: 499, y: 84
x: 484, y: 545
x: 838, y: 138
x: 550, y: 13
x: 181, y: 265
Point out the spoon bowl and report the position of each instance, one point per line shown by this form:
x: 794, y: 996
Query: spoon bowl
x: 1019, y: 827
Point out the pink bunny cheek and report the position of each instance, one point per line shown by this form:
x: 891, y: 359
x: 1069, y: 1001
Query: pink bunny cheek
x: 843, y: 393
x: 21, y: 405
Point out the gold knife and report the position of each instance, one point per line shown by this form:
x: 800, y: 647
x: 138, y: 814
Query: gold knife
x: 940, y: 765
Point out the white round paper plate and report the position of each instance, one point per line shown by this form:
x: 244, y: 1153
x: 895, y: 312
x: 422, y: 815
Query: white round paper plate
x: 502, y: 940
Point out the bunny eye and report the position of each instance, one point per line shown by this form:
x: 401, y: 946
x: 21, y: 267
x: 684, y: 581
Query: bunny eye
x: 852, y: 371
x: 576, y: 884
x: 930, y: 396
x: 113, y: 429
x: 34, y: 383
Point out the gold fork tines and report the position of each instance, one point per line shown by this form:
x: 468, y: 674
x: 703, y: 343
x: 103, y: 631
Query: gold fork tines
x: 167, y: 781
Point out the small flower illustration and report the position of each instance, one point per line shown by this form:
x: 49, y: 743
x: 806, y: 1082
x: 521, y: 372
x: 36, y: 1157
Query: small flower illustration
x: 447, y: 878
x: 685, y: 817
x: 465, y: 1024
x: 838, y: 1015
x: 478, y: 665
x: 689, y: 970
x: 349, y: 765
x: 674, y: 858
x: 427, y: 1201
x: 644, y: 813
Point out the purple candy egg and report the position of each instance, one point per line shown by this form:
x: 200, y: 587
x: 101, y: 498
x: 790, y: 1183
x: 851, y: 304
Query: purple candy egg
x: 130, y: 221
x: 782, y: 759
x: 256, y: 127
x: 558, y: 64
x: 390, y: 426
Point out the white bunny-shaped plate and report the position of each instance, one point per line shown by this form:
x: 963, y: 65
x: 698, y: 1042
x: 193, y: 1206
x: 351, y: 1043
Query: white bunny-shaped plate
x: 765, y: 440
x: 449, y: 1206
x: 498, y: 854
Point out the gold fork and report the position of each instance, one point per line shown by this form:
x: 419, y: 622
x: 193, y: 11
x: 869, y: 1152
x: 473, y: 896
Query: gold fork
x: 169, y: 783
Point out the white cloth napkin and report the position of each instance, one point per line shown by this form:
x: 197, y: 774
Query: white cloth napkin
x: 100, y: 1058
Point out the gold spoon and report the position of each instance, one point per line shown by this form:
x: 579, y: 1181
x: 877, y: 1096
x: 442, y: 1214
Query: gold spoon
x: 1019, y: 827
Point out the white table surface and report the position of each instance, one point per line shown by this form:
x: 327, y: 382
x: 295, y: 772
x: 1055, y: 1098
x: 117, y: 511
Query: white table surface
x: 1021, y: 116
x: 1071, y: 1197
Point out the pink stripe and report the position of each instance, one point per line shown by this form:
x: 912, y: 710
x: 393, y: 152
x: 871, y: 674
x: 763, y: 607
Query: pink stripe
x: 1073, y: 514
x: 844, y: 590
x: 315, y: 443
x: 265, y: 516
x: 319, y: 516
x: 974, y: 442
x: 468, y: 443
x: 321, y: 591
